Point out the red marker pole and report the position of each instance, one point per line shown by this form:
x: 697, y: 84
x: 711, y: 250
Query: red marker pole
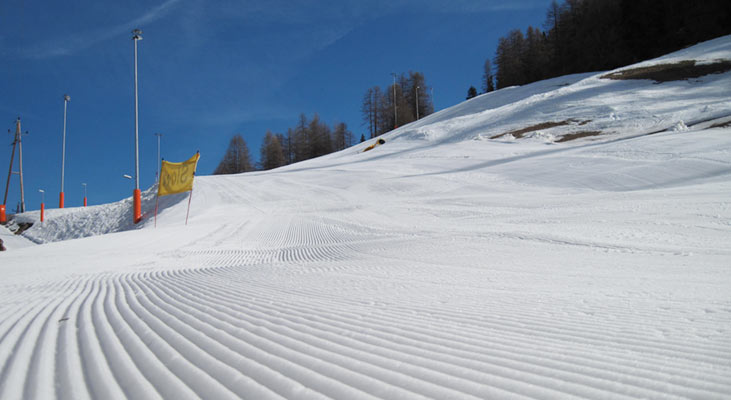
x: 3, y: 218
x: 43, y: 201
x: 60, y: 200
x: 137, y: 206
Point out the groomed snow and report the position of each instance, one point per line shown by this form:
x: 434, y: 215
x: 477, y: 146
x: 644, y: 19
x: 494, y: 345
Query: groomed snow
x: 442, y: 264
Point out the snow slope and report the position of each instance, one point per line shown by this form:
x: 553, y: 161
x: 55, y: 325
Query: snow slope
x: 443, y: 264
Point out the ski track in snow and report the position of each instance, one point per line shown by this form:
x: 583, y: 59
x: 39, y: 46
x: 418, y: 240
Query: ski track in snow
x: 439, y: 265
x: 273, y: 323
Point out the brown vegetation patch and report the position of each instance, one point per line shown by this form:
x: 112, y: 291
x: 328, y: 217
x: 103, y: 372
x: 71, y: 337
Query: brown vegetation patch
x: 22, y: 227
x: 682, y: 70
x: 577, y: 135
x: 519, y: 133
x: 721, y: 125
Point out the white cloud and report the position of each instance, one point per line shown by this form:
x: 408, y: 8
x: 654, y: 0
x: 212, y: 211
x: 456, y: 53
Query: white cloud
x: 83, y: 40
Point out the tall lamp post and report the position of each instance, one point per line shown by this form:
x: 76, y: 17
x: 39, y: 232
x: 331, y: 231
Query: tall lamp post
x: 84, y: 185
x: 157, y: 176
x: 66, y: 99
x: 137, y: 200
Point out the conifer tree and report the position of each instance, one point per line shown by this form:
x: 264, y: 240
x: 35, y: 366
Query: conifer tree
x: 471, y: 92
x: 320, y: 138
x: 271, y: 152
x: 488, y: 80
x: 286, y: 143
x: 342, y: 137
x: 301, y: 140
x: 237, y: 158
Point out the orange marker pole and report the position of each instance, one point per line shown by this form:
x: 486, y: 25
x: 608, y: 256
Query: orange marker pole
x: 43, y: 209
x: 137, y: 207
x: 84, y: 201
x: 60, y: 200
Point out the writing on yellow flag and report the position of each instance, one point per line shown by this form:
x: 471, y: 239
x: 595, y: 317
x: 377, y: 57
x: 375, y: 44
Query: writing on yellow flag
x: 177, y: 177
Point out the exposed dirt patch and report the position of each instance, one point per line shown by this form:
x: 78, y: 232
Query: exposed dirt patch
x: 519, y: 133
x: 22, y: 227
x: 577, y: 135
x: 682, y: 70
x: 721, y: 125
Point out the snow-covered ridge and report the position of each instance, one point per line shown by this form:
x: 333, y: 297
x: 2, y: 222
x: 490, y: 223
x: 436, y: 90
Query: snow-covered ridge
x: 614, y: 108
x: 575, y: 106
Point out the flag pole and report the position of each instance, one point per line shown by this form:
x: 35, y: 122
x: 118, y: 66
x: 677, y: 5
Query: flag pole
x: 157, y: 198
x: 198, y: 152
x: 188, y: 212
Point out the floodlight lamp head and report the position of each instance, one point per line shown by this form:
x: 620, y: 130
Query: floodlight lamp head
x: 66, y: 97
x: 137, y: 34
x: 41, y: 190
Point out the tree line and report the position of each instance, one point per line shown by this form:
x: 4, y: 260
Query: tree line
x: 407, y: 99
x: 595, y: 35
x: 310, y: 138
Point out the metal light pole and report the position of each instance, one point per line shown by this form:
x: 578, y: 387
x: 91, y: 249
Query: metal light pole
x: 395, y: 115
x: 43, y: 201
x: 157, y: 176
x: 84, y: 185
x: 66, y: 99
x: 137, y: 201
x: 417, y: 103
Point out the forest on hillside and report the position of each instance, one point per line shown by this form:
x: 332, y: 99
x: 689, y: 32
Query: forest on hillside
x: 597, y: 35
x: 310, y: 138
x: 577, y: 36
x: 406, y: 100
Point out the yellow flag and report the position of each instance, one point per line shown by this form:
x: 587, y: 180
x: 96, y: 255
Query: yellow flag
x: 177, y: 177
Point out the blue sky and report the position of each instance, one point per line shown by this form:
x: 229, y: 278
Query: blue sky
x: 211, y: 69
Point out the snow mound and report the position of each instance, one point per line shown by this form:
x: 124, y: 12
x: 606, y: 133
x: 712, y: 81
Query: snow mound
x: 80, y: 222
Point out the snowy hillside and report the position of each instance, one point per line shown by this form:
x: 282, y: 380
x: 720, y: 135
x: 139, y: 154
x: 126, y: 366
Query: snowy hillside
x: 564, y: 239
